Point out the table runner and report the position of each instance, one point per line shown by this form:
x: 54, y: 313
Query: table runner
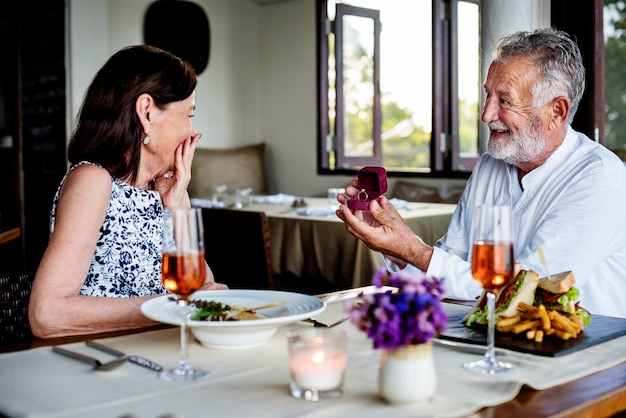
x: 254, y: 382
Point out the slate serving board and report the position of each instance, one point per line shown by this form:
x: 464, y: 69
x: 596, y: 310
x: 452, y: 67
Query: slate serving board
x: 601, y: 328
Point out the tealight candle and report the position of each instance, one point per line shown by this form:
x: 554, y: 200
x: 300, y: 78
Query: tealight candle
x: 317, y: 362
x: 318, y: 369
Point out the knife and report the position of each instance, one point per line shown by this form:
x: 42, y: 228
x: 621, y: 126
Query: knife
x: 141, y: 361
x: 465, y: 347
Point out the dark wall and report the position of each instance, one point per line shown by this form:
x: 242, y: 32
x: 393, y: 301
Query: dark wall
x: 582, y: 19
x: 43, y: 117
x: 37, y: 116
x: 11, y: 253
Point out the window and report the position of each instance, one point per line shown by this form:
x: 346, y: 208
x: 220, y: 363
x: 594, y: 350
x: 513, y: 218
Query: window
x: 357, y: 92
x: 615, y: 83
x: 399, y: 86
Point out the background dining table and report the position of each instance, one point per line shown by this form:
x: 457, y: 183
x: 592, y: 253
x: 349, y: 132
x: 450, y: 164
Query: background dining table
x: 35, y: 382
x: 312, y: 242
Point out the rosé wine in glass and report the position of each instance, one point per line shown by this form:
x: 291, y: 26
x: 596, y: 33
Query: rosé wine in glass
x: 492, y: 264
x: 492, y: 267
x: 183, y: 272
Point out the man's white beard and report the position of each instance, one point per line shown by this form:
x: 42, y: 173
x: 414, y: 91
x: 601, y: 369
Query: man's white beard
x: 526, y: 145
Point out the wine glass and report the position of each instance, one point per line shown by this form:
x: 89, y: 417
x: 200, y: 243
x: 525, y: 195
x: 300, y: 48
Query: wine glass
x: 183, y: 273
x: 492, y: 267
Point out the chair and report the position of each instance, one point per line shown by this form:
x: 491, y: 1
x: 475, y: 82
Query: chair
x: 14, y: 295
x: 11, y: 251
x: 10, y: 235
x: 237, y: 168
x: 237, y: 248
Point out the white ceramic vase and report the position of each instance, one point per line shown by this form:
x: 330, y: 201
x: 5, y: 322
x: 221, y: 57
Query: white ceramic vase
x: 408, y: 374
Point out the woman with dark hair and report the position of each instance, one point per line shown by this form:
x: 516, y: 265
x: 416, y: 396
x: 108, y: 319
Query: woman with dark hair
x: 130, y: 158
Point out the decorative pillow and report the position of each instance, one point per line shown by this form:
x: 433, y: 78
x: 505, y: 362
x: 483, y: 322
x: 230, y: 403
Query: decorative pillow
x: 238, y: 168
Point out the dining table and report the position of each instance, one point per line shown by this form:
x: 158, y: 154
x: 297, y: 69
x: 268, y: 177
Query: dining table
x: 254, y: 382
x: 310, y: 241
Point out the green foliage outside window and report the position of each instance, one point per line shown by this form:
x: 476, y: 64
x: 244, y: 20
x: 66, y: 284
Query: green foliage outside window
x: 615, y: 81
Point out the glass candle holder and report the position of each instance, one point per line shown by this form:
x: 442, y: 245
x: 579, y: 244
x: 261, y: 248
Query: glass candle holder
x: 317, y: 362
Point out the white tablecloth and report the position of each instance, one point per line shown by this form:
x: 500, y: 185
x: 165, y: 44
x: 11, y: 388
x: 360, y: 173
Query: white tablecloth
x: 319, y: 247
x: 254, y: 382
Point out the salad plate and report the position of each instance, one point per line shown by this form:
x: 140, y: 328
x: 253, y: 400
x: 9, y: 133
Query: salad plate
x: 290, y: 307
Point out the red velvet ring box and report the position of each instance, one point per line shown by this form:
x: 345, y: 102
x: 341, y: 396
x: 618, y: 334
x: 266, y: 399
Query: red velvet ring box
x: 372, y: 184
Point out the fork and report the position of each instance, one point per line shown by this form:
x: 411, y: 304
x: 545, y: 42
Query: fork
x: 317, y: 323
x: 141, y: 361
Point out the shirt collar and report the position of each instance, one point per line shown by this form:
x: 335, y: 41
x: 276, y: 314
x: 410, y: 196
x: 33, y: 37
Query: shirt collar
x: 556, y: 159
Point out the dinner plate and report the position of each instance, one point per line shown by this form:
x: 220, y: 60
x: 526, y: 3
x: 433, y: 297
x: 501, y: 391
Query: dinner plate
x: 601, y: 329
x: 238, y: 334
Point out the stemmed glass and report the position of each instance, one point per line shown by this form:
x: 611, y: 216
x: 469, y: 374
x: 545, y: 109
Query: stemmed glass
x: 183, y: 273
x: 492, y: 267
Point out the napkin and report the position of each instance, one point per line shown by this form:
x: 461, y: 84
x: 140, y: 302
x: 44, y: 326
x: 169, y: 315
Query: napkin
x: 206, y: 203
x: 276, y: 199
x: 316, y: 211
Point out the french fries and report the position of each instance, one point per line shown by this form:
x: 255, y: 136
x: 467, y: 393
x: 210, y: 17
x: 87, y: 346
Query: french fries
x: 537, y: 322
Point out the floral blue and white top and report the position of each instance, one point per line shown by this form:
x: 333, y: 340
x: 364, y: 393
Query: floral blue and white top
x: 127, y: 260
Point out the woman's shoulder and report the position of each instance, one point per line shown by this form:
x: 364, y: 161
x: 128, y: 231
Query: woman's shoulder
x: 88, y: 167
x: 87, y: 176
x: 83, y: 196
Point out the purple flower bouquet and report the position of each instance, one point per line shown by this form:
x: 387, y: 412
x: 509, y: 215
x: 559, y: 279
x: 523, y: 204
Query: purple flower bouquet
x: 412, y: 314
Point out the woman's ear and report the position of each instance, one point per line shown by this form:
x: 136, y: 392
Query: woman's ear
x: 143, y: 105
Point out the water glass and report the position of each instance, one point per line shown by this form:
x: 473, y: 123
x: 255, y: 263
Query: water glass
x: 333, y: 192
x: 219, y: 192
x: 242, y: 197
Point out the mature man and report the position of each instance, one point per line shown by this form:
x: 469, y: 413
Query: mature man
x: 568, y: 193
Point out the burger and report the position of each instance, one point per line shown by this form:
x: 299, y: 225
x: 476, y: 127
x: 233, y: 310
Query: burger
x: 521, y: 289
x: 558, y: 293
x: 555, y: 292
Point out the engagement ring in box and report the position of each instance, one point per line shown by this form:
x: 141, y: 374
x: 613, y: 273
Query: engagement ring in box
x: 372, y: 184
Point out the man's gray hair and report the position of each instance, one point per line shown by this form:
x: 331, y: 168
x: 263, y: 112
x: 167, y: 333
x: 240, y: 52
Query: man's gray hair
x: 558, y: 61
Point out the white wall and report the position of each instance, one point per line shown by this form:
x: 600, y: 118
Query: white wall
x: 251, y: 91
x: 260, y: 82
x: 228, y: 90
x: 87, y: 48
x: 525, y: 15
x: 289, y: 111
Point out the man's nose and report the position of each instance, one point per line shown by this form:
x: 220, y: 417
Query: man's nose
x: 490, y: 111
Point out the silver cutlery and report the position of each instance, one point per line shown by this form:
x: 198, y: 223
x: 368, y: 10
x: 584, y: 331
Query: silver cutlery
x: 141, y: 361
x: 97, y: 364
x: 465, y: 347
x: 317, y: 323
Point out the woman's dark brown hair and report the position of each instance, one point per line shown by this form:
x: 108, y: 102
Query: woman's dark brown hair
x: 108, y: 131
